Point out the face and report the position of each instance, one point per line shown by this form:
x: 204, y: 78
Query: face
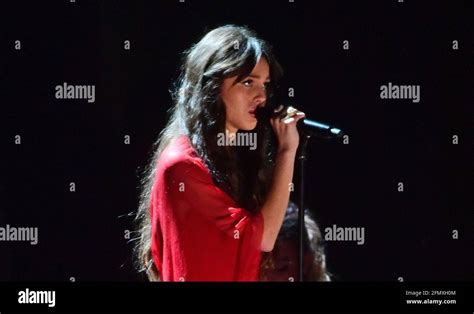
x: 242, y: 98
x: 285, y: 258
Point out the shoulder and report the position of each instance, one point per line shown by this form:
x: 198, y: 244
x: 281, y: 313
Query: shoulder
x: 180, y: 156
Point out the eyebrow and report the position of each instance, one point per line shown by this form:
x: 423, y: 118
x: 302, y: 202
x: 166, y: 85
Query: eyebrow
x: 258, y: 76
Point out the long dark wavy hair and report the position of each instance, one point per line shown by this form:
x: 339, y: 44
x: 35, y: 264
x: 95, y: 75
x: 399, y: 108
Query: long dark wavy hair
x: 199, y: 113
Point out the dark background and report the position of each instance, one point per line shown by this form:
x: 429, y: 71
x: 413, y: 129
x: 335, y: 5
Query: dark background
x: 81, y: 234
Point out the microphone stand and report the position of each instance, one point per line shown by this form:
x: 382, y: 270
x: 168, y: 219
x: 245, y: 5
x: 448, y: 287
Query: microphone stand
x: 301, y: 225
x: 328, y: 133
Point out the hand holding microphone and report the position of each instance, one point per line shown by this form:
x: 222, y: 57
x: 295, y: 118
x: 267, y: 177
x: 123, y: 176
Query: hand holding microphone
x: 284, y: 122
x: 305, y: 126
x: 288, y: 114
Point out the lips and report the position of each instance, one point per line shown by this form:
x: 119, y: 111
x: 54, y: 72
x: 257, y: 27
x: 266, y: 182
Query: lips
x: 252, y: 111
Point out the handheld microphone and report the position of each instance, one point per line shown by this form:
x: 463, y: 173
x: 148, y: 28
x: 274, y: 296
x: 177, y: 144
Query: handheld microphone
x: 318, y: 129
x: 305, y: 126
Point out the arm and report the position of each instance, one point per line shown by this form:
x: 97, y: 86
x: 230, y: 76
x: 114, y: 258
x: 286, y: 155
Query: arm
x: 274, y: 208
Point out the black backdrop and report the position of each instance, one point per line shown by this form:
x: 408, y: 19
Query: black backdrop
x: 408, y: 234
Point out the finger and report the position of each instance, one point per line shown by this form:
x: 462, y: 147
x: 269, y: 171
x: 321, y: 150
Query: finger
x: 288, y: 120
x: 280, y: 108
x: 299, y: 115
x: 283, y: 115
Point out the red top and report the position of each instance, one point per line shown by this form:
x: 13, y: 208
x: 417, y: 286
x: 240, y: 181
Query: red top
x: 198, y: 232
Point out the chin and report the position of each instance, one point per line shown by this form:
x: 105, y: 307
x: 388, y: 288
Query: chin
x: 248, y: 126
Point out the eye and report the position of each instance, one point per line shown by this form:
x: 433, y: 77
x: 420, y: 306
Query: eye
x: 247, y: 83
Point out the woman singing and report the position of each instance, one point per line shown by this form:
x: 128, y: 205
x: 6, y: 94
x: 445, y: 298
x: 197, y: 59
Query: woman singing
x: 208, y: 210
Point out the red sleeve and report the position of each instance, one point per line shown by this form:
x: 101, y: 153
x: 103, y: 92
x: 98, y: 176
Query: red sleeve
x: 189, y: 181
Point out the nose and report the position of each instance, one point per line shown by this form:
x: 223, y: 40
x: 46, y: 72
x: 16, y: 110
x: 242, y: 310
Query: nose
x: 260, y: 96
